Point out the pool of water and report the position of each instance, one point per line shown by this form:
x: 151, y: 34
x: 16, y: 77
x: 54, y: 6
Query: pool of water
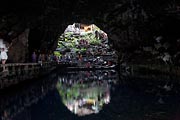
x: 93, y: 95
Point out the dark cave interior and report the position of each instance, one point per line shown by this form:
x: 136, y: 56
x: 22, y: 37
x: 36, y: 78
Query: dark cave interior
x: 130, y: 24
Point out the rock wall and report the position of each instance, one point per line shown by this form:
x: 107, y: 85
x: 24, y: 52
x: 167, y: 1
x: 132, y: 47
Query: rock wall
x: 18, y: 51
x: 132, y: 25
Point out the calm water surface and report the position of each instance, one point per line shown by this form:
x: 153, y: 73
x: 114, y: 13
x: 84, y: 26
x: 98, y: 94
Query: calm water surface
x: 93, y: 95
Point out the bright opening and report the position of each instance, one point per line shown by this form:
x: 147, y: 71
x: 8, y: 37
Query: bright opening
x: 85, y: 45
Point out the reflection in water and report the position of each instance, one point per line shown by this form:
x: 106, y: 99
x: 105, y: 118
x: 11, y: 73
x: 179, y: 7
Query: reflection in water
x: 86, y: 92
x: 15, y: 101
x: 133, y: 97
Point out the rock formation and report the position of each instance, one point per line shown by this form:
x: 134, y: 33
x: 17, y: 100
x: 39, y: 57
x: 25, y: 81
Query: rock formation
x: 131, y: 25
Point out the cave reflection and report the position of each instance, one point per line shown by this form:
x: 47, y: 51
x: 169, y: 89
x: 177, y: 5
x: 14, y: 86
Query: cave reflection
x: 85, y: 92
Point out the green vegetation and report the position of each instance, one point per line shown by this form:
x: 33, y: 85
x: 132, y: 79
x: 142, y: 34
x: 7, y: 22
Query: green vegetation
x: 81, y: 41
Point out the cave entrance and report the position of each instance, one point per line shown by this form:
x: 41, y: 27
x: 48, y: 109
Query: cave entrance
x: 85, y: 42
x: 83, y: 39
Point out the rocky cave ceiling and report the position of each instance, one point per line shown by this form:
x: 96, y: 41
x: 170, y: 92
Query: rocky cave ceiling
x: 130, y: 24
